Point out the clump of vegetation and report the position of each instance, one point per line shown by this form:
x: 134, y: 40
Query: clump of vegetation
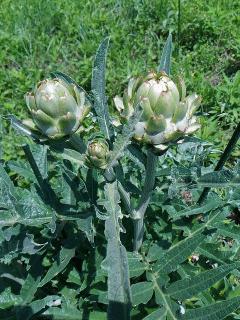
x: 117, y: 197
x: 38, y: 38
x: 87, y: 236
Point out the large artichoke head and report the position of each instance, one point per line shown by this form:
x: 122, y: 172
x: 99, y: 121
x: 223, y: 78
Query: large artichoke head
x: 97, y: 153
x: 57, y: 107
x: 167, y: 112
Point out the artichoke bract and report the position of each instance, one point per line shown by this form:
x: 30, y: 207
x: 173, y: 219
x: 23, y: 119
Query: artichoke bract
x: 97, y: 153
x: 57, y: 107
x: 167, y: 111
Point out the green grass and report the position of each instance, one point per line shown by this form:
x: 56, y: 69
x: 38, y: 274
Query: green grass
x: 37, y: 37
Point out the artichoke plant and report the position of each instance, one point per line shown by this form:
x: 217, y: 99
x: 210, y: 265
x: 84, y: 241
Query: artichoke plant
x: 57, y: 108
x: 97, y: 153
x: 167, y: 111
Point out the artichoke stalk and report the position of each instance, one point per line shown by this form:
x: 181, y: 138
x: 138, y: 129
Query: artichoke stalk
x: 167, y: 112
x: 97, y: 154
x: 57, y: 108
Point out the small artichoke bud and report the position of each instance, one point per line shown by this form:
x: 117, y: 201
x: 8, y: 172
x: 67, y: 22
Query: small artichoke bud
x: 57, y: 107
x: 167, y: 112
x: 97, y: 154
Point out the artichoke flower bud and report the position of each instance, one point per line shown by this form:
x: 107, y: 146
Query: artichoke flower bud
x: 57, y: 107
x: 167, y: 112
x: 97, y: 154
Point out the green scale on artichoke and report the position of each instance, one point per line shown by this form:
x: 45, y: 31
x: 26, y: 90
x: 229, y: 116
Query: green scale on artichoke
x: 168, y: 114
x: 57, y: 108
x: 97, y: 154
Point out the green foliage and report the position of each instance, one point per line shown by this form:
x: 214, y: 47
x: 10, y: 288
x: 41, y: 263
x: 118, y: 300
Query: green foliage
x: 67, y: 232
x: 32, y: 46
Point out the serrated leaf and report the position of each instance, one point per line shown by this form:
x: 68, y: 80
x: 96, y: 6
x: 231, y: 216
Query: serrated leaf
x: 32, y: 210
x: 210, y: 205
x: 26, y: 312
x: 98, y: 88
x: 31, y: 283
x: 8, y: 233
x: 219, y: 179
x: 60, y: 263
x: 74, y: 277
x: 123, y: 139
x: 137, y: 156
x: 21, y: 205
x: 16, y: 246
x: 141, y: 292
x: 23, y: 129
x: 155, y: 252
x: 215, y: 311
x: 8, y: 194
x: 162, y: 298
x: 86, y: 226
x: 38, y: 162
x: 211, y: 251
x: 39, y: 153
x: 228, y: 230
x: 8, y: 299
x: 21, y: 169
x: 136, y: 266
x: 72, y: 156
x: 187, y: 288
x: 178, y: 253
x: 166, y: 56
x: 116, y: 263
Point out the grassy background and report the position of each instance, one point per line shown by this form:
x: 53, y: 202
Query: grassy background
x: 37, y: 37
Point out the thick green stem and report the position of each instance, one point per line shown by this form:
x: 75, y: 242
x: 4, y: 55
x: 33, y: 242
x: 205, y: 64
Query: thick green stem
x: 77, y: 143
x: 224, y: 157
x: 179, y: 25
x: 138, y: 233
x: 144, y: 200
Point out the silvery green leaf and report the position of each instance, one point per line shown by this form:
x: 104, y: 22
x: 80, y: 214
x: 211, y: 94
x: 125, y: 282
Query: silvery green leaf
x: 39, y: 153
x: 72, y: 155
x: 178, y: 253
x: 26, y: 312
x: 141, y: 292
x: 136, y: 266
x: 211, y: 204
x: 228, y: 230
x: 124, y: 139
x: 136, y: 155
x: 31, y: 283
x: 16, y: 246
x: 219, y: 179
x: 214, y: 253
x: 24, y: 130
x: 166, y: 56
x: 116, y: 263
x: 98, y: 89
x: 60, y: 263
x: 215, y: 311
x: 8, y: 299
x: 22, y: 169
x: 189, y: 287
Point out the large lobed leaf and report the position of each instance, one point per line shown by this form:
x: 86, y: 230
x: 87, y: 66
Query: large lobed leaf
x: 116, y: 262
